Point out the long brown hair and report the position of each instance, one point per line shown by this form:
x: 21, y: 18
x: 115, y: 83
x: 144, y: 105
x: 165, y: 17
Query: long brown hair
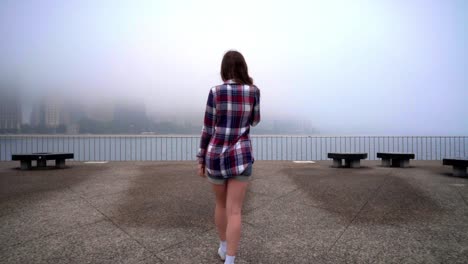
x: 234, y: 67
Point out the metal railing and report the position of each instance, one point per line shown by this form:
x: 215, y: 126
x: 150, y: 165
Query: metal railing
x: 177, y: 148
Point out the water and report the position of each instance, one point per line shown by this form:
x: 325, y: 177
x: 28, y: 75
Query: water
x: 141, y: 148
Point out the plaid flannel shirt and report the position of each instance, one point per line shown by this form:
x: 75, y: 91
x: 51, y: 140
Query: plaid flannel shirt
x: 225, y: 146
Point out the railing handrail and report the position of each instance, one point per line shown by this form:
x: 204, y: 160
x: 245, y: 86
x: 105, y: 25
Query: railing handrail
x: 196, y: 135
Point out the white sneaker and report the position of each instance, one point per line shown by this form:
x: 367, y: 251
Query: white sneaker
x: 221, y: 254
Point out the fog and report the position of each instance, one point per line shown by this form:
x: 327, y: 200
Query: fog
x: 349, y: 67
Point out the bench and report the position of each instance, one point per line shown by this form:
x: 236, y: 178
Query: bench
x: 459, y: 165
x: 395, y: 159
x: 41, y: 159
x: 352, y: 160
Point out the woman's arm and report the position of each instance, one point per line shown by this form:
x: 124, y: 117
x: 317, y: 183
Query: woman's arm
x: 208, y: 127
x: 256, y: 109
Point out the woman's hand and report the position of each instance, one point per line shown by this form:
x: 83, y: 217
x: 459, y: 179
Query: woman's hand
x: 201, y: 170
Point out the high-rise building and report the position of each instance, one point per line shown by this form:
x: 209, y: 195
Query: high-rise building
x: 103, y: 112
x: 36, y: 116
x: 10, y: 110
x: 52, y: 113
x: 48, y: 113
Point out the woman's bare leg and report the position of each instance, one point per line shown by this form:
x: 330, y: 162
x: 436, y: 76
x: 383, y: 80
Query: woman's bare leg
x: 220, y: 210
x: 235, y: 198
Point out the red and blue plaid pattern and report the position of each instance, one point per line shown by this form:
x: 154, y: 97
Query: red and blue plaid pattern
x: 225, y: 146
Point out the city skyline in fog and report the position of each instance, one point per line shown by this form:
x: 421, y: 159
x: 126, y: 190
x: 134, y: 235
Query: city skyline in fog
x: 348, y: 67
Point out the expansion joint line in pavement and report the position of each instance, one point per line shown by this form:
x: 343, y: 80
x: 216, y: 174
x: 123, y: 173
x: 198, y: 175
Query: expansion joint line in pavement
x: 360, y: 210
x: 461, y: 196
x: 185, y: 240
x: 52, y: 234
x: 204, y: 232
x: 117, y: 226
x: 274, y: 199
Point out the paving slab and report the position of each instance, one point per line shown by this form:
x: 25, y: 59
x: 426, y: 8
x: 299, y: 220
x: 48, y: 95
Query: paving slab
x: 254, y: 201
x: 198, y: 249
x: 101, y: 242
x: 131, y: 201
x: 16, y: 182
x: 270, y: 187
x: 22, y: 183
x: 337, y: 190
x: 48, y: 217
x: 417, y: 202
x: 396, y: 244
x: 313, y: 227
x: 160, y: 227
x: 256, y: 246
x: 24, y: 203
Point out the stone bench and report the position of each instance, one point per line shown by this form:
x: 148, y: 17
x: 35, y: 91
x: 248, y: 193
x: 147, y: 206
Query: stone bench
x: 395, y: 159
x: 41, y: 159
x: 459, y: 165
x: 352, y: 160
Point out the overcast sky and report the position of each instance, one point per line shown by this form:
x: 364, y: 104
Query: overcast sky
x: 351, y: 67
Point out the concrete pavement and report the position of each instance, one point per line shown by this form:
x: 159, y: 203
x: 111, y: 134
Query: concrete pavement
x: 161, y: 212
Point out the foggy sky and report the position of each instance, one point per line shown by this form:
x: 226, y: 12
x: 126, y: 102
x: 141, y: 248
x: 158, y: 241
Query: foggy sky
x: 352, y: 67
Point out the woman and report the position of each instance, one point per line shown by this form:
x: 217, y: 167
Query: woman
x: 225, y: 148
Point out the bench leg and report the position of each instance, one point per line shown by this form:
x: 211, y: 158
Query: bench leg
x: 459, y: 171
x: 400, y: 163
x: 42, y: 163
x: 353, y: 163
x: 60, y: 163
x: 336, y: 163
x: 404, y: 163
x: 386, y: 162
x: 25, y: 164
